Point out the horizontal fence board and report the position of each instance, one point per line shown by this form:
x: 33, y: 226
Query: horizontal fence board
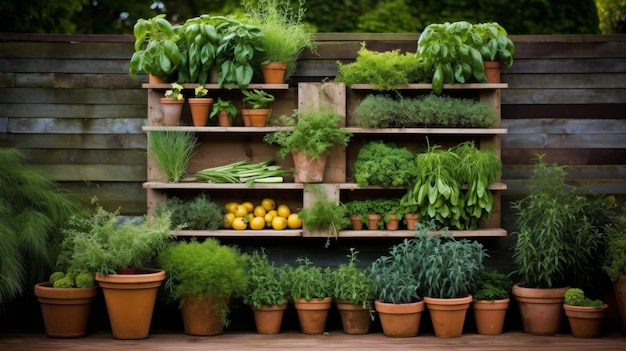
x: 86, y: 156
x: 75, y: 96
x: 570, y: 156
x: 558, y: 49
x: 65, y: 66
x: 591, y: 172
x: 94, y: 172
x: 558, y: 81
x: 76, y: 126
x: 563, y: 96
x: 78, y: 141
x: 76, y: 51
x: 597, y: 186
x: 130, y: 197
x: 543, y: 140
x: 565, y: 126
x: 78, y: 81
x: 595, y: 111
x: 565, y: 65
x: 90, y: 111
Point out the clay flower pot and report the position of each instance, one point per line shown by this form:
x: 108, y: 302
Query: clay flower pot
x: 223, y: 120
x: 541, y: 309
x: 274, y: 72
x: 313, y: 314
x: 448, y: 315
x: 372, y: 220
x: 172, y: 110
x: 400, y: 320
x: 258, y: 117
x: 268, y: 319
x: 200, y: 317
x: 411, y: 220
x: 489, y: 315
x: 492, y: 71
x: 308, y: 170
x: 586, y: 322
x: 200, y: 109
x: 355, y: 319
x: 392, y: 223
x: 357, y: 224
x: 65, y: 310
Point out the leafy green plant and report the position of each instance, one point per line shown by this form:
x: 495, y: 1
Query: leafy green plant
x: 257, y: 99
x: 33, y: 208
x: 239, y: 46
x: 353, y: 283
x: 384, y: 164
x: 315, y: 133
x: 172, y: 151
x: 491, y: 285
x: 614, y: 260
x: 324, y: 214
x: 156, y: 48
x: 265, y: 286
x: 285, y: 35
x: 204, y: 268
x: 224, y: 105
x: 576, y: 297
x: 100, y: 243
x: 308, y: 281
x: 199, y: 44
x: 198, y: 214
x: 493, y: 43
x: 72, y: 280
x: 359, y: 207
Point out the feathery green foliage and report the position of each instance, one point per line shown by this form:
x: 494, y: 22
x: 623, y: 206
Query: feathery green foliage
x: 491, y: 285
x: 353, y: 283
x: 265, y: 285
x: 384, y: 164
x: 32, y: 209
x: 324, y: 215
x: 308, y: 281
x: 615, y: 254
x: 172, y: 151
x: 201, y: 213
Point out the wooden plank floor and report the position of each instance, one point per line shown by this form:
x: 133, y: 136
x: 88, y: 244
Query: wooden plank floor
x: 292, y: 340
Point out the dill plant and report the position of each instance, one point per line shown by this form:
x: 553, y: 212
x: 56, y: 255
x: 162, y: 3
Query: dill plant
x: 172, y: 151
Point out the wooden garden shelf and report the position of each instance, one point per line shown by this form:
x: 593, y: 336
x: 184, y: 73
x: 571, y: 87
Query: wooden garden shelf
x: 215, y: 129
x: 487, y: 232
x: 473, y: 131
x: 477, y: 86
x: 216, y: 86
x: 222, y: 186
x: 240, y: 233
x: 354, y: 186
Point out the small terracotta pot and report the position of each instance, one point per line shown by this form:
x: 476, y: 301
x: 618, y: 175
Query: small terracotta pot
x: 65, y: 311
x: 586, y: 322
x: 541, y: 309
x: 489, y: 315
x: 172, y: 110
x: 200, y: 316
x: 268, y: 319
x: 448, y: 315
x: 200, y: 109
x: 223, y: 120
x: 392, y: 223
x: 411, y: 220
x: 372, y: 220
x: 274, y: 72
x: 245, y: 114
x: 357, y: 224
x: 492, y: 71
x: 308, y: 170
x: 313, y: 314
x: 400, y: 320
x: 152, y: 79
x: 258, y: 117
x: 354, y: 318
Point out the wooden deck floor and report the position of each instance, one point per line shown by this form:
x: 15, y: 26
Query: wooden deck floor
x: 241, y: 341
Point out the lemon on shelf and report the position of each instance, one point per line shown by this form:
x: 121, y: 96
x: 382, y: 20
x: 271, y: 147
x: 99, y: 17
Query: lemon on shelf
x: 260, y: 211
x: 279, y: 223
x: 241, y: 211
x: 239, y: 223
x: 294, y: 221
x: 268, y: 204
x: 228, y: 220
x: 257, y: 223
x: 283, y: 211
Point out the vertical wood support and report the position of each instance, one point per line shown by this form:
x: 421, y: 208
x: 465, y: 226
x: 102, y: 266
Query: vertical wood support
x: 492, y: 97
x: 310, y: 195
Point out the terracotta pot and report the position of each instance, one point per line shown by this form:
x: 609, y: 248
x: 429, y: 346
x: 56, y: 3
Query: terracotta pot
x: 245, y: 114
x: 172, y: 110
x: 448, y: 315
x: 313, y: 314
x: 65, y: 311
x: 392, y: 223
x: 307, y: 169
x: 223, y: 120
x: 274, y: 72
x: 156, y: 80
x: 400, y: 320
x: 355, y: 319
x: 489, y: 315
x: 268, y: 319
x: 130, y: 301
x: 541, y: 309
x: 258, y: 117
x: 619, y: 287
x: 200, y: 317
x: 586, y: 322
x: 411, y: 220
x: 492, y: 71
x: 372, y: 220
x: 357, y: 224
x: 200, y: 109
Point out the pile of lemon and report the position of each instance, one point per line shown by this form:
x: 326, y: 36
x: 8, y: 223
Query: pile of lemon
x: 242, y: 216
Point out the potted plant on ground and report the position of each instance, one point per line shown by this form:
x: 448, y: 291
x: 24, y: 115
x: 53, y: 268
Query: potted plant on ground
x: 116, y: 252
x: 314, y: 135
x: 172, y: 151
x: 265, y: 293
x: 614, y: 262
x: 156, y: 48
x: 203, y: 276
x: 310, y: 287
x: 172, y: 105
x: 284, y: 38
x: 585, y: 316
x: 200, y: 106
x: 491, y: 300
x: 558, y: 237
x: 225, y: 111
x: 353, y: 295
x: 256, y: 107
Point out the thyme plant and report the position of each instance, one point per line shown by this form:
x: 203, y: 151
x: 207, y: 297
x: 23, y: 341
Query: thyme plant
x: 201, y: 213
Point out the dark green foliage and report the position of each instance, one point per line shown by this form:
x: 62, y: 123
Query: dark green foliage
x: 156, y: 48
x: 172, y: 151
x: 308, y: 281
x: 198, y: 214
x: 491, y: 285
x: 384, y: 164
x: 615, y: 254
x: 324, y: 215
x: 84, y: 280
x: 265, y: 286
x: 576, y: 297
x: 32, y: 210
x: 353, y: 283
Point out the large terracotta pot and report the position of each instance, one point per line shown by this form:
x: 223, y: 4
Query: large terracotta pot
x: 200, y: 316
x: 313, y: 314
x: 619, y: 287
x: 355, y: 319
x: 172, y: 110
x: 400, y: 320
x: 307, y: 169
x: 130, y: 301
x: 65, y: 311
x: 200, y: 109
x: 274, y: 72
x: 268, y: 319
x: 448, y: 315
x: 586, y: 322
x: 541, y: 309
x: 489, y: 315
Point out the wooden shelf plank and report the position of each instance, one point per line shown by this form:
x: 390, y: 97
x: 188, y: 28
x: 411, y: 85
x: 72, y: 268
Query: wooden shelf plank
x: 477, y: 86
x: 216, y: 86
x: 215, y: 129
x: 224, y: 186
x: 240, y: 233
x: 355, y: 186
x: 474, y: 131
x: 487, y: 232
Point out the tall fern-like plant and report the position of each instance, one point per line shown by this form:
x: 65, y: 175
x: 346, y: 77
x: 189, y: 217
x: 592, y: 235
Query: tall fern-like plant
x: 32, y: 210
x: 172, y: 151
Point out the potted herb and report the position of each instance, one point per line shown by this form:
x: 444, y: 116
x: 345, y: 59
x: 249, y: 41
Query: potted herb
x: 116, y: 252
x: 384, y: 164
x: 172, y: 105
x: 310, y: 141
x: 156, y: 48
x: 614, y: 261
x: 172, y: 151
x: 200, y: 106
x: 357, y: 211
x: 203, y: 276
x: 200, y: 40
x: 265, y: 293
x: 238, y: 50
x: 256, y: 106
x: 353, y: 295
x: 491, y: 300
x: 324, y: 215
x: 310, y: 287
x: 200, y: 213
x: 495, y: 47
x: 585, y: 316
x: 225, y: 111
x: 284, y: 38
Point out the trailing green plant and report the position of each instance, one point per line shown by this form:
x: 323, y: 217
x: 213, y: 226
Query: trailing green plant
x: 156, y: 48
x: 614, y: 260
x: 315, y: 133
x: 201, y: 213
x: 72, y: 280
x: 103, y: 243
x: 576, y: 297
x: 265, y: 285
x: 383, y: 70
x: 285, y: 35
x: 33, y: 208
x: 353, y: 283
x: 172, y: 151
x: 224, y: 105
x: 491, y: 285
x: 308, y: 281
x: 324, y: 214
x: 384, y: 164
x: 559, y: 233
x: 257, y: 99
x: 204, y: 268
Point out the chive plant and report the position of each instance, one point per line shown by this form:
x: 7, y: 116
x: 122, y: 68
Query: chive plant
x: 172, y: 151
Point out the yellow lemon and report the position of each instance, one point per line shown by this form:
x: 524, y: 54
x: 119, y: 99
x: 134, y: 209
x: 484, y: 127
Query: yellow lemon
x: 231, y: 207
x: 239, y: 224
x: 260, y: 211
x: 294, y: 221
x: 268, y: 204
x: 268, y: 219
x: 283, y: 211
x: 249, y: 217
x: 279, y: 223
x: 274, y: 213
x: 249, y: 206
x: 241, y: 211
x: 228, y: 220
x: 257, y: 223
